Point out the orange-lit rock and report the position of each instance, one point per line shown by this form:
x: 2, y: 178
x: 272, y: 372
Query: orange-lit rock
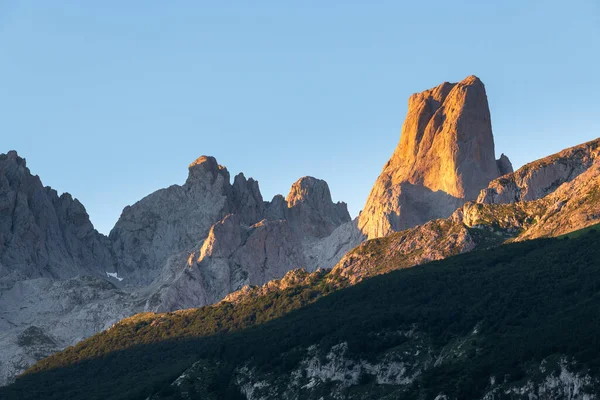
x: 444, y: 158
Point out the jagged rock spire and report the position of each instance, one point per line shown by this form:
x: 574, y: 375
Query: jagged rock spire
x: 445, y: 156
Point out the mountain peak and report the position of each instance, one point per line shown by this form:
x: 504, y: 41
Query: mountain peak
x: 205, y: 167
x: 308, y: 189
x: 204, y: 160
x: 445, y: 156
x: 13, y: 158
x: 311, y: 209
x: 471, y: 80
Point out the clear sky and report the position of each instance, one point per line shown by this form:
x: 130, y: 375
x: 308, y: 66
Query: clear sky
x: 111, y: 100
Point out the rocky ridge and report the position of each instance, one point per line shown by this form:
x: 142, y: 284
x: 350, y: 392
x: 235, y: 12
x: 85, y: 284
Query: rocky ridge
x: 305, y: 230
x: 539, y: 178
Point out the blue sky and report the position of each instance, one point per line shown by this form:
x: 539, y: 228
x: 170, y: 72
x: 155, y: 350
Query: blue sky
x: 112, y: 100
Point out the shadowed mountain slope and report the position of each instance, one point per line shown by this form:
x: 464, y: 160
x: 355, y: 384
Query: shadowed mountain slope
x: 510, y: 322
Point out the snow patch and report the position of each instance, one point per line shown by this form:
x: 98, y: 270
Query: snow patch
x: 114, y: 275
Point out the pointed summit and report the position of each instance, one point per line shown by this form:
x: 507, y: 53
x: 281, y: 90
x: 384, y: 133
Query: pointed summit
x: 205, y: 168
x: 311, y: 211
x: 445, y: 157
x: 311, y: 190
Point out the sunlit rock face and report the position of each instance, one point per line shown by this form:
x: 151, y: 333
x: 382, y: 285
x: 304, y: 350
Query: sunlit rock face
x: 444, y: 158
x: 571, y: 202
x: 536, y: 179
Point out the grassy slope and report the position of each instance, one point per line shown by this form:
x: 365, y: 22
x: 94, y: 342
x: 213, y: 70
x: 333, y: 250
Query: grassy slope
x: 530, y: 300
x: 578, y: 233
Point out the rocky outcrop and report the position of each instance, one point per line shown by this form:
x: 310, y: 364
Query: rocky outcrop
x: 574, y: 205
x: 444, y: 158
x: 539, y: 178
x: 170, y: 220
x: 246, y: 200
x: 504, y: 165
x: 43, y: 234
x: 294, y: 278
x: 325, y: 253
x: 311, y: 211
x: 433, y: 240
x: 232, y: 256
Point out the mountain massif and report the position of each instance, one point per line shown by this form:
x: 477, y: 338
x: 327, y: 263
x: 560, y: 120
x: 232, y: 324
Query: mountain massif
x: 180, y: 247
x: 282, y: 298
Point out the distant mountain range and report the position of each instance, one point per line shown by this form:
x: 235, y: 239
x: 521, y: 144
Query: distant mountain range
x: 212, y: 241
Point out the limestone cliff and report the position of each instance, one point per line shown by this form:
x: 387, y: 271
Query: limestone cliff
x: 445, y: 157
x: 170, y: 220
x: 43, y: 234
x: 53, y: 266
x: 232, y: 256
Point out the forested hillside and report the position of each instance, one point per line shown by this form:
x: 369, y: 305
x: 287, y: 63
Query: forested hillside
x: 486, y: 322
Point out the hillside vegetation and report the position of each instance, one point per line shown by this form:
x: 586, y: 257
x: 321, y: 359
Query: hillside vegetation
x: 484, y: 322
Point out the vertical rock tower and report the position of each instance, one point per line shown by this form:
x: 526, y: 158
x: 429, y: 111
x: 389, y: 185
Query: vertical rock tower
x: 444, y: 158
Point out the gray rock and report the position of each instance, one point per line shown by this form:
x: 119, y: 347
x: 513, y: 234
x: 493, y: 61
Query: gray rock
x: 539, y: 178
x: 246, y: 200
x: 169, y: 221
x: 41, y: 316
x: 311, y: 211
x: 325, y: 253
x: 42, y: 234
x: 277, y: 208
x: 504, y: 165
x: 184, y: 246
x: 232, y: 256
